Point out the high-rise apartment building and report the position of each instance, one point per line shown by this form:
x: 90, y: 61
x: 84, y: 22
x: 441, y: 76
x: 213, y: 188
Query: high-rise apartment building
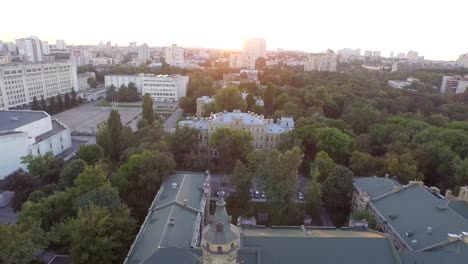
x: 20, y: 82
x: 45, y: 47
x: 454, y: 85
x: 60, y: 44
x: 174, y: 55
x: 321, y: 62
x: 143, y: 52
x: 412, y: 55
x: 253, y: 49
x: 463, y: 59
x: 30, y: 49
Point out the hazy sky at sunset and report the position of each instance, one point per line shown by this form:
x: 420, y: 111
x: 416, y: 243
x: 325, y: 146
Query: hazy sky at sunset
x: 437, y: 29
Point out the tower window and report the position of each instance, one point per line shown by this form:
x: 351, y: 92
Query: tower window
x: 220, y: 249
x: 232, y: 245
x: 219, y: 227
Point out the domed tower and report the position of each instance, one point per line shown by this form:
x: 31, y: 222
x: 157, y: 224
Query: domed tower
x: 220, y: 239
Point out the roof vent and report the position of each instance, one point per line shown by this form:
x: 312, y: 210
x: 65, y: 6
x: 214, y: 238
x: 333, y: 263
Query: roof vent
x: 429, y: 230
x: 172, y: 221
x: 409, y: 233
x: 185, y: 201
x: 414, y: 241
x: 174, y: 185
x: 14, y: 118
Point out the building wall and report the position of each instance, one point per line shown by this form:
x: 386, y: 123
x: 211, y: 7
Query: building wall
x: 13, y: 146
x: 453, y: 85
x: 83, y: 80
x: 55, y: 144
x: 321, y: 62
x: 174, y: 55
x: 36, y: 128
x: 19, y: 83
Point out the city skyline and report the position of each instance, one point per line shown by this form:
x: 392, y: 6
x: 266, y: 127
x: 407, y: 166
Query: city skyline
x: 311, y: 27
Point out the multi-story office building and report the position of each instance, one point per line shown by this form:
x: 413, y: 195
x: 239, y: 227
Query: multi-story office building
x: 321, y: 62
x: 265, y: 132
x: 143, y: 52
x: 253, y: 49
x: 20, y: 82
x: 45, y: 47
x: 463, y: 60
x: 174, y: 55
x: 80, y: 56
x: 60, y: 44
x: 412, y: 55
x: 30, y: 49
x: 160, y: 87
x: 29, y: 132
x: 454, y: 85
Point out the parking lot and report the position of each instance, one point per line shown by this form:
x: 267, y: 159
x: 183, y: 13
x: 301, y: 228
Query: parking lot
x: 87, y: 117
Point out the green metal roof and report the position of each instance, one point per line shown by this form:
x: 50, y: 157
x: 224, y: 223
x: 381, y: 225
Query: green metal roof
x: 420, y: 218
x: 184, y: 204
x: 376, y: 186
x: 408, y: 257
x: 461, y: 207
x: 321, y: 246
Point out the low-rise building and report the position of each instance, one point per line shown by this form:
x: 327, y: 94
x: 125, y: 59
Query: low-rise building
x: 265, y: 132
x: 425, y: 65
x: 321, y: 62
x: 21, y: 82
x: 29, y: 132
x: 161, y: 87
x: 397, y: 84
x: 418, y: 218
x: 83, y: 79
x: 453, y: 85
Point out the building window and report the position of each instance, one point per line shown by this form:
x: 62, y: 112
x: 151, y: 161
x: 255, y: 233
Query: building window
x: 220, y: 249
x: 38, y: 151
x: 232, y: 245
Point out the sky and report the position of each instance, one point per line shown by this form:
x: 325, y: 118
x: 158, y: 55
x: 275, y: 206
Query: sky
x: 436, y: 29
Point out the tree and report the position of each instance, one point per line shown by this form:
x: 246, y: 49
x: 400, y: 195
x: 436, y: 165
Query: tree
x: 91, y: 178
x: 336, y: 143
x: 71, y: 171
x: 363, y: 164
x: 98, y: 235
x: 269, y: 99
x: 104, y: 196
x: 324, y: 166
x: 60, y: 103
x: 110, y: 93
x: 250, y: 102
x: 132, y: 92
x: 241, y: 180
x: 23, y: 184
x: 102, y: 137
x: 260, y: 63
x: 148, y: 111
x: 35, y: 104
x: 404, y: 167
x: 43, y: 104
x: 461, y: 171
x: 229, y: 99
x: 313, y: 191
x: 361, y: 118
x: 73, y: 94
x: 114, y: 135
x: 232, y: 145
x: 90, y: 153
x: 52, y: 109
x: 337, y: 192
x: 364, y: 215
x: 183, y: 142
x: 67, y: 101
x: 140, y: 177
x: 122, y: 93
x: 46, y: 167
x: 21, y: 243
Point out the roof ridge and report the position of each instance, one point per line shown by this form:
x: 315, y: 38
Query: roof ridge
x: 404, y: 187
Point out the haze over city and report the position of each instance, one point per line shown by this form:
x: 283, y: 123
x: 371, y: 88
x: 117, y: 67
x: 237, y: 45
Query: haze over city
x: 396, y: 26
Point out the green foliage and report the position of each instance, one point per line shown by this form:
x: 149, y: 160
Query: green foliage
x: 23, y: 184
x: 232, y: 145
x: 404, y: 167
x: 182, y: 143
x: 323, y: 165
x: 71, y: 171
x: 35, y: 104
x: 364, y: 215
x: 337, y: 191
x: 148, y: 111
x: 229, y: 99
x: 98, y: 235
x: 250, y: 102
x: 90, y: 153
x: 461, y: 171
x: 269, y: 99
x: 21, y: 243
x: 336, y: 143
x: 241, y: 180
x: 114, y: 133
x: 46, y: 167
x: 104, y: 196
x: 139, y: 179
x: 91, y: 178
x: 363, y: 164
x: 360, y: 119
x: 313, y: 191
x: 102, y: 137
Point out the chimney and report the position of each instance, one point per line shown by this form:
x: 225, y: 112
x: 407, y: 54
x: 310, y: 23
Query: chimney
x: 429, y: 230
x: 185, y: 202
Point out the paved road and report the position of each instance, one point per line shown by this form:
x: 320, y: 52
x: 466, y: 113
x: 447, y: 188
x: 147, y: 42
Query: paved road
x: 170, y: 123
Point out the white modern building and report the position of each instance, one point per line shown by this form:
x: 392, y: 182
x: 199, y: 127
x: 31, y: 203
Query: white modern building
x: 160, y: 87
x: 30, y: 49
x: 60, y: 44
x: 20, y: 82
x: 454, y: 85
x: 397, y: 84
x: 174, y: 55
x: 143, y: 52
x: 321, y: 62
x: 29, y: 132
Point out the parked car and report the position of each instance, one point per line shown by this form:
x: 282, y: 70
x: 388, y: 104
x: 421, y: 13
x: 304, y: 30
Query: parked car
x: 257, y: 194
x: 264, y: 195
x: 300, y: 196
